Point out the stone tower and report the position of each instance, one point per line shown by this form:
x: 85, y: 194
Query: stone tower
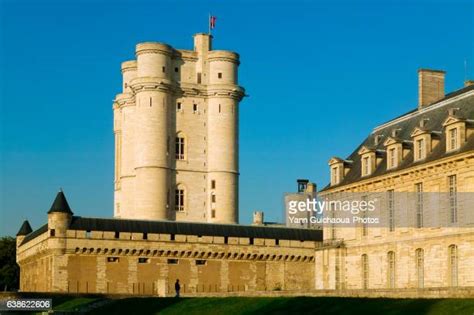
x: 176, y: 134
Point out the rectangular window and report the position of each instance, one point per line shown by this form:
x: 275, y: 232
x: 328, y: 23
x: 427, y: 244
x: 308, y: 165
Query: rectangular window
x: 365, y: 225
x: 213, y: 198
x: 226, y: 240
x: 213, y: 184
x: 420, y: 149
x: 277, y: 242
x: 419, y: 204
x: 179, y: 200
x: 391, y: 210
x: 145, y: 236
x: 172, y: 261
x: 52, y: 232
x: 453, y: 139
x: 163, y: 69
x: 195, y: 108
x: 199, y: 77
x: 178, y: 106
x: 453, y: 202
x: 176, y: 69
x: 391, y: 269
x: 251, y: 241
x: 112, y: 259
x: 179, y: 149
x: 200, y: 262
x: 219, y: 75
x: 366, y: 166
x: 117, y: 235
x: 213, y: 213
x: 143, y: 260
x: 365, y: 272
x: 420, y: 267
x: 335, y: 175
x: 392, y: 161
x: 172, y: 237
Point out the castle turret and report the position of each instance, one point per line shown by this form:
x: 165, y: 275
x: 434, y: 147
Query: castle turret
x: 59, y: 216
x: 223, y: 117
x: 124, y: 127
x: 25, y: 229
x: 153, y: 89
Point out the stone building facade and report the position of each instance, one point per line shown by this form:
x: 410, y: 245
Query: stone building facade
x: 176, y: 134
x: 419, y: 168
x: 117, y: 256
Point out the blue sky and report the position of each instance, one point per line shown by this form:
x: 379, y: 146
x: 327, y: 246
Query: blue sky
x: 320, y: 75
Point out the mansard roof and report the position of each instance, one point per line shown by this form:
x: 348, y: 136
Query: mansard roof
x: 434, y: 115
x: 186, y: 228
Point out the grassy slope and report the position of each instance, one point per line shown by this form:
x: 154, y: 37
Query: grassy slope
x: 283, y: 305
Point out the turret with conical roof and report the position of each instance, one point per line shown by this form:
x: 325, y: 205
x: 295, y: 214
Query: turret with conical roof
x: 60, y: 204
x: 25, y: 229
x: 59, y: 216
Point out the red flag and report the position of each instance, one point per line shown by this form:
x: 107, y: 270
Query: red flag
x: 212, y: 22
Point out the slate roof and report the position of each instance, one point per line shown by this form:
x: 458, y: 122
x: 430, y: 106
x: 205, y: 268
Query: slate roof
x: 185, y: 228
x: 191, y: 228
x: 35, y: 234
x: 60, y: 204
x: 25, y: 229
x: 406, y: 124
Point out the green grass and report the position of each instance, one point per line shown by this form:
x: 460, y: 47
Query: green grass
x: 287, y: 305
x: 73, y: 304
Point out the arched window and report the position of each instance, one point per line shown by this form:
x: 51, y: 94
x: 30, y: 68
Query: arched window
x: 391, y: 269
x: 420, y: 268
x: 453, y: 265
x: 180, y: 198
x: 180, y: 146
x: 365, y: 271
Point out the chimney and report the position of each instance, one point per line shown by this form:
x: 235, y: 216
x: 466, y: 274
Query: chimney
x: 257, y: 218
x: 302, y: 184
x: 430, y: 86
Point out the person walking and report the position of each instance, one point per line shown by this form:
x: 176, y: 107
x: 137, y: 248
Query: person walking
x: 177, y: 287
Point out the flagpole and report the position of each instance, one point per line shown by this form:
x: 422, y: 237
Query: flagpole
x: 209, y: 23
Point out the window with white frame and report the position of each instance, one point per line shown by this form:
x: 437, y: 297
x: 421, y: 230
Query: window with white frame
x: 335, y: 175
x: 420, y: 149
x: 391, y: 210
x: 179, y: 201
x: 366, y: 165
x: 392, y: 157
x: 453, y: 139
x: 453, y: 202
x: 180, y: 147
x: 419, y: 204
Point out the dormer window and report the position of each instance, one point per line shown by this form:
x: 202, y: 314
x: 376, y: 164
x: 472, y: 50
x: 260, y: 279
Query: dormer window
x: 366, y: 166
x: 335, y: 175
x: 338, y: 168
x: 392, y: 158
x: 452, y: 139
x: 395, y: 150
x: 420, y: 149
